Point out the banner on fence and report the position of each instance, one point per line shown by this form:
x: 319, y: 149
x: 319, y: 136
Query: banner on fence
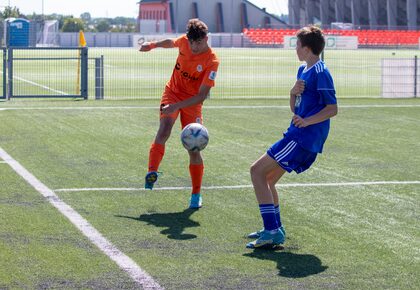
x: 399, y: 77
x: 331, y: 42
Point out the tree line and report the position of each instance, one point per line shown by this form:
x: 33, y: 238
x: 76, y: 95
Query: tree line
x: 68, y: 23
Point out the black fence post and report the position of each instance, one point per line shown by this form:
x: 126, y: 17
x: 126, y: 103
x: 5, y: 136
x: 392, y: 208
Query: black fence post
x: 84, y: 73
x: 102, y: 76
x: 9, y: 73
x: 415, y: 76
x: 4, y: 72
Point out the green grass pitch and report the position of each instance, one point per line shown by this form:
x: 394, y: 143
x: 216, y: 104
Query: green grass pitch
x: 338, y: 237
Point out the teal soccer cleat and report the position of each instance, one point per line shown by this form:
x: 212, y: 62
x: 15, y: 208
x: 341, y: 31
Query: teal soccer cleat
x: 267, y: 240
x: 150, y: 179
x: 256, y: 235
x: 196, y: 201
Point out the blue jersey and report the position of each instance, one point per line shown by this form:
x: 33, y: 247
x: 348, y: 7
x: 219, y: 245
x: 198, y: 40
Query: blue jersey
x: 319, y: 92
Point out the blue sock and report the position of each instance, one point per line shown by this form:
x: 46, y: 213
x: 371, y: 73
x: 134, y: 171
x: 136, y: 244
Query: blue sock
x: 269, y: 218
x: 277, y: 212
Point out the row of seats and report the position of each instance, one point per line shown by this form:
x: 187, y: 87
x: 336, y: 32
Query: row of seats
x: 365, y: 37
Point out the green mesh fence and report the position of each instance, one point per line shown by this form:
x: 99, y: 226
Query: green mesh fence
x: 243, y: 72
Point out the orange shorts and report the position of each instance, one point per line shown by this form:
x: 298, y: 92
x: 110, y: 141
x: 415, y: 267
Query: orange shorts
x: 191, y: 114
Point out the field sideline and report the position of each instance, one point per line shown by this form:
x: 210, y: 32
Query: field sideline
x: 351, y: 221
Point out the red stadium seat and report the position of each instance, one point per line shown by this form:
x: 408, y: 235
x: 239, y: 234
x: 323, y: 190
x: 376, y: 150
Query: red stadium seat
x: 366, y: 37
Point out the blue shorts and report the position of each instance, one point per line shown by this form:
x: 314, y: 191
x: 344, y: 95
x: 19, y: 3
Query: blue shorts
x: 291, y: 156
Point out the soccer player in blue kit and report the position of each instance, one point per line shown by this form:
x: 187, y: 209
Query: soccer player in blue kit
x: 313, y: 103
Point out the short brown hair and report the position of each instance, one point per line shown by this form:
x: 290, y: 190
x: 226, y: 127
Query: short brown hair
x: 196, y: 29
x: 312, y: 37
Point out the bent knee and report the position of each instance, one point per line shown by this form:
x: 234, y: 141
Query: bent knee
x: 255, y: 169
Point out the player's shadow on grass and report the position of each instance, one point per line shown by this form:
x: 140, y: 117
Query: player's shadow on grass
x: 291, y: 265
x: 174, y: 223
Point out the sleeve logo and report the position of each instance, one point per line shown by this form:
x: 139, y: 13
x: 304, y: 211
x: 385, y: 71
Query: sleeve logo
x: 212, y: 75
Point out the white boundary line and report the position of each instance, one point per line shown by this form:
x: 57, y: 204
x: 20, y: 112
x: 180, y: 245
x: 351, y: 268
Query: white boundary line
x: 123, y: 261
x: 363, y: 183
x: 39, y: 85
x: 288, y: 107
x: 205, y: 107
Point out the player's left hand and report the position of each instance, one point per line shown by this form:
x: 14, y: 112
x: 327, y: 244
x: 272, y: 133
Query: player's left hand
x: 168, y: 109
x: 299, y: 122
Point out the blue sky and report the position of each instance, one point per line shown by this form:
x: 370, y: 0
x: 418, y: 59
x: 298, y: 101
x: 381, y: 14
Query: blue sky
x: 108, y: 8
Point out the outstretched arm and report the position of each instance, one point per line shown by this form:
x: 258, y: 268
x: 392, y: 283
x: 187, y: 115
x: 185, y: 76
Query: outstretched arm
x: 165, y: 43
x: 199, y: 98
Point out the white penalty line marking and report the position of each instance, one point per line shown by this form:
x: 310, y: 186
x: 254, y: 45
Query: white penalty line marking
x: 338, y: 184
x: 123, y: 261
x: 205, y: 107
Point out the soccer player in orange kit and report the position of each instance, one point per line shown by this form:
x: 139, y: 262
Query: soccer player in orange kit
x: 192, y: 78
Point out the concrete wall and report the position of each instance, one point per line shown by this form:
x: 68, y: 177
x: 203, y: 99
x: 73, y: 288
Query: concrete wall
x: 69, y: 39
x: 104, y: 39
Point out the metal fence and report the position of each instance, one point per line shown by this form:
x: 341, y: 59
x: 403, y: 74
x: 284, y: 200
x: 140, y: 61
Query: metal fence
x: 126, y: 73
x: 45, y: 72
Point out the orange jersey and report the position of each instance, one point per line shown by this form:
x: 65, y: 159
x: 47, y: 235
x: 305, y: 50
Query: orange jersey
x: 192, y: 70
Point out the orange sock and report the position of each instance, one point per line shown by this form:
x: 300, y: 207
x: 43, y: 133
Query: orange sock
x: 196, y: 172
x: 155, y: 156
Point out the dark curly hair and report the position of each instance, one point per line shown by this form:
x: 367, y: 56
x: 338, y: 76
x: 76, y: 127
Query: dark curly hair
x: 312, y: 37
x: 196, y: 29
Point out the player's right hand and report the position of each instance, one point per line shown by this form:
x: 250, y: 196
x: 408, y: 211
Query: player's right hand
x: 146, y: 47
x: 298, y: 88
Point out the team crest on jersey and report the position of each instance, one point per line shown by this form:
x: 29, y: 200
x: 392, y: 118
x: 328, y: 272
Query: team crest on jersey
x: 212, y: 75
x: 298, y: 100
x: 199, y: 68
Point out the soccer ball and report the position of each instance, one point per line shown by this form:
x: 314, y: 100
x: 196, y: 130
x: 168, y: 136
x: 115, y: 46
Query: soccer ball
x: 194, y: 137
